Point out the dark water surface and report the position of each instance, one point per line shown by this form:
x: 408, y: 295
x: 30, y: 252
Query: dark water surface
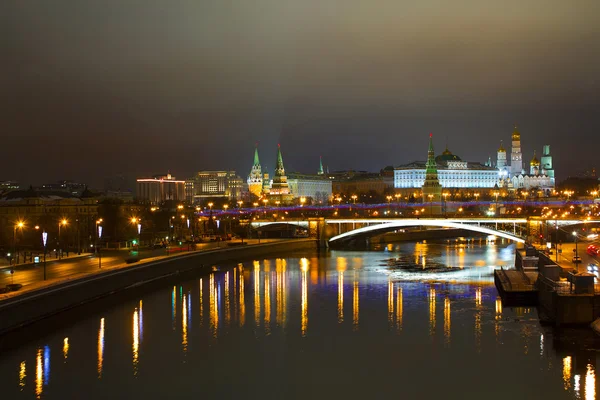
x: 408, y: 321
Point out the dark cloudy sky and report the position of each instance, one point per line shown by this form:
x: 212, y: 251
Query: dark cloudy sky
x: 93, y: 88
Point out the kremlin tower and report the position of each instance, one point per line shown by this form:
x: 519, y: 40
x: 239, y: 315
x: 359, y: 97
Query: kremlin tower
x: 280, y: 190
x: 432, y: 190
x: 255, y: 178
x: 534, y: 165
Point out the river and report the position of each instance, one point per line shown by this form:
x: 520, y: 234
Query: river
x: 409, y: 320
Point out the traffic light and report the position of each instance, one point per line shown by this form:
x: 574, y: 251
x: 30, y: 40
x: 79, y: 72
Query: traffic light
x: 134, y: 242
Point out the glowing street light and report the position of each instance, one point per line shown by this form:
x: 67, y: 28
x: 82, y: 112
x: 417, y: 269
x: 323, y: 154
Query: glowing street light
x: 19, y: 225
x: 62, y: 222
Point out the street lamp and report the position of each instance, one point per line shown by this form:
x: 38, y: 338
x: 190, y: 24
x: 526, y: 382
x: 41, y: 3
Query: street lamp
x: 138, y: 221
x: 98, y: 222
x: 62, y: 222
x: 576, y: 252
x: 445, y: 194
x: 99, y: 236
x: 20, y: 225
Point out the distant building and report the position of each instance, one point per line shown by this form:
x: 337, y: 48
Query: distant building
x: 207, y: 184
x: 74, y: 188
x: 317, y: 187
x: 44, y: 208
x: 432, y: 190
x: 160, y: 188
x: 359, y: 182
x: 5, y: 186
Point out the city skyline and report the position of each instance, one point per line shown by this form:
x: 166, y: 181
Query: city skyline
x: 92, y: 90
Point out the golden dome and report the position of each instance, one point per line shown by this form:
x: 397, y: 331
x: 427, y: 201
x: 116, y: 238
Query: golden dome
x: 534, y: 161
x: 516, y: 135
x: 501, y: 149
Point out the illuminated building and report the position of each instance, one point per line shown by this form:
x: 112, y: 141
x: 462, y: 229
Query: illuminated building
x: 359, y: 182
x: 516, y: 157
x: 209, y: 184
x: 5, y: 186
x: 317, y: 187
x: 44, y: 208
x: 160, y: 188
x: 452, y: 172
x: 255, y: 178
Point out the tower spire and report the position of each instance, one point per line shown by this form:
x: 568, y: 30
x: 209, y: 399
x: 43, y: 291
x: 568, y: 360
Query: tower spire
x: 256, y: 160
x: 279, y: 169
x: 320, y: 172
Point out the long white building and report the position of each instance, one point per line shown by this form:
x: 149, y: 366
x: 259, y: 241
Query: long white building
x: 452, y: 173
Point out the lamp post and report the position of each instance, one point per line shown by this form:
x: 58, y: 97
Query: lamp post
x: 98, y: 222
x: 445, y: 194
x: 20, y: 225
x: 137, y: 221
x: 225, y: 207
x: 576, y: 252
x: 63, y: 222
x: 99, y: 230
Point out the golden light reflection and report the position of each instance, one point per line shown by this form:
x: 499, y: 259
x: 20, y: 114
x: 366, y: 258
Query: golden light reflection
x: 100, y: 348
x: 576, y: 385
x: 447, y: 323
x: 136, y: 342
x: 390, y: 303
x: 227, y: 303
x: 478, y: 330
x: 340, y: 308
x: 66, y: 348
x: 567, y: 372
x: 431, y: 311
x: 267, y: 304
x: 590, y: 383
x: 22, y: 375
x: 39, y: 375
x: 399, y: 309
x: 355, y: 306
x: 498, y: 307
x: 214, y: 306
x: 478, y: 297
x: 242, y: 300
x: 304, y: 264
x: 201, y: 302
x: 141, y: 322
x: 184, y: 327
x: 304, y: 316
x: 173, y: 307
x: 256, y: 293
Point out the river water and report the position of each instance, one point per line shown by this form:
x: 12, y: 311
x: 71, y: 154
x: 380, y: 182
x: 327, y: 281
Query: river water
x: 410, y: 320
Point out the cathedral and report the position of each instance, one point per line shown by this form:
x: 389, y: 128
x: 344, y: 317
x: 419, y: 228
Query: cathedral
x: 514, y: 176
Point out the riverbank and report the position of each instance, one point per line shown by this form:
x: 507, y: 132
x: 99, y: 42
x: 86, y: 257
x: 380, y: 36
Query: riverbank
x: 22, y: 309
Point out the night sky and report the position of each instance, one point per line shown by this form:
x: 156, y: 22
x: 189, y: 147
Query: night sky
x: 89, y: 89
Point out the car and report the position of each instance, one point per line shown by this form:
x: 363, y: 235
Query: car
x: 592, y: 268
x: 576, y: 259
x: 592, y: 250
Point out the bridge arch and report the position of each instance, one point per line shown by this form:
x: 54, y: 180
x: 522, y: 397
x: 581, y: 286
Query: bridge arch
x: 424, y: 222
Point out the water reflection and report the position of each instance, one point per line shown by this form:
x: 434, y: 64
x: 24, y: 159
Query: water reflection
x: 39, y: 371
x: 410, y: 308
x: 431, y: 311
x: 100, y: 348
x: 22, y: 375
x: 447, y: 323
x: 304, y: 301
x: 135, y: 346
x: 66, y: 348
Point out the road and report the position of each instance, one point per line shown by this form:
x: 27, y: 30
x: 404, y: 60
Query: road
x: 565, y: 258
x: 32, y: 273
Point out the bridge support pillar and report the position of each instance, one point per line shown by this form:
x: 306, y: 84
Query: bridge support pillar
x: 317, y: 229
